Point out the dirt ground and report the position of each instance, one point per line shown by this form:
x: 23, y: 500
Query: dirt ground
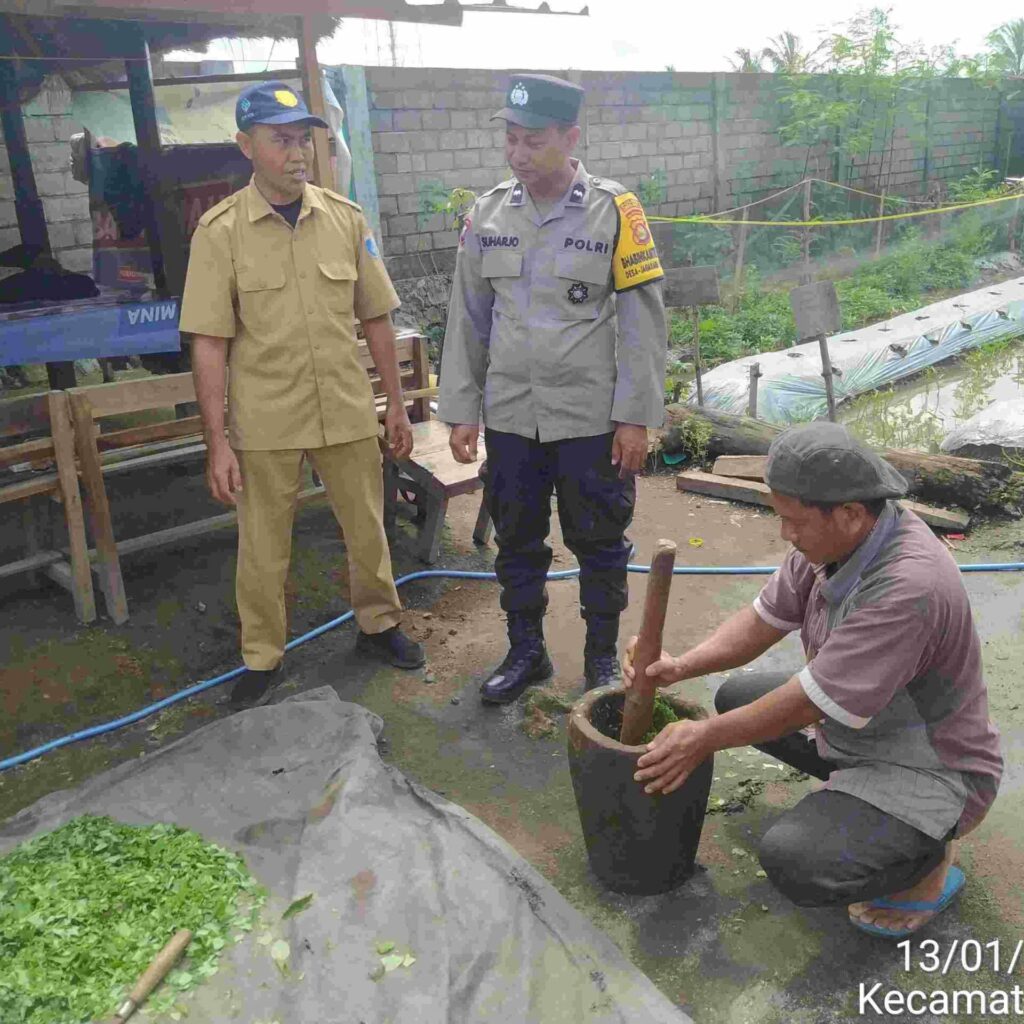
x: 725, y: 946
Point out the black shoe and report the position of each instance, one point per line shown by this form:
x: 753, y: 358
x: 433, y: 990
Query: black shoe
x: 526, y: 663
x: 254, y: 688
x: 600, y: 657
x: 601, y: 670
x: 392, y: 646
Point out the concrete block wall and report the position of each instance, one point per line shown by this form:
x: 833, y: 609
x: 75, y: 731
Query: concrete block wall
x: 49, y: 127
x: 689, y: 143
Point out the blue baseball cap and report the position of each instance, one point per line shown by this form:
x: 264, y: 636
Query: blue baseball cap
x: 272, y: 103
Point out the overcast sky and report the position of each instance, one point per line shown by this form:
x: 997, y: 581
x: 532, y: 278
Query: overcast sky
x: 638, y: 35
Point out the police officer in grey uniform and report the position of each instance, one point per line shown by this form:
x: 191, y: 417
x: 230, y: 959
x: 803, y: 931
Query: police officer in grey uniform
x: 556, y: 341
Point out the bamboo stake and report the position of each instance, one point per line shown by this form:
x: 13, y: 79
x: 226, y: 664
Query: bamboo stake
x: 696, y: 353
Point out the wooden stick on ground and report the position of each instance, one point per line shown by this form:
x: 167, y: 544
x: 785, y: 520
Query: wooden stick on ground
x: 638, y: 708
x: 153, y: 975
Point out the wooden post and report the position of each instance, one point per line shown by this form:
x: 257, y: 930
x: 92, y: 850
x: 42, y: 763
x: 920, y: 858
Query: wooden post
x: 881, y: 224
x: 638, y: 707
x: 741, y: 251
x: 312, y: 88
x: 755, y: 373
x: 826, y: 372
x: 111, y: 582
x: 80, y: 583
x: 695, y: 311
x: 147, y: 136
x: 28, y: 207
x: 807, y: 233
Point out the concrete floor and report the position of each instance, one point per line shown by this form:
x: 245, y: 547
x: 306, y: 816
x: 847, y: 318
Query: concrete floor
x: 725, y: 947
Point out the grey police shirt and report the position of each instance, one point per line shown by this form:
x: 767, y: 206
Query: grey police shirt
x: 556, y: 326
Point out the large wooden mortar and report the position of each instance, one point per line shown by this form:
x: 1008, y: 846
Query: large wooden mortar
x: 636, y: 843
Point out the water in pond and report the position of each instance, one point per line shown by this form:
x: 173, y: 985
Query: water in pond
x: 920, y: 414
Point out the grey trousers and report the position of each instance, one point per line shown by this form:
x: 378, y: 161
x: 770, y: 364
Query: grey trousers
x: 832, y: 848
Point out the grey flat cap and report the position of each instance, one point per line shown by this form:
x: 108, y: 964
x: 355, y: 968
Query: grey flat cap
x: 824, y: 462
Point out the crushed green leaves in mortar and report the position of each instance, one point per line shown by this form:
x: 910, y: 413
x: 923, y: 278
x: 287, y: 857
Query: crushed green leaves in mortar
x: 85, y: 908
x: 664, y: 714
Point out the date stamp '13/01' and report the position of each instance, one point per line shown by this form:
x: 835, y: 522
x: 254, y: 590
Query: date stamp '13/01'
x: 995, y: 959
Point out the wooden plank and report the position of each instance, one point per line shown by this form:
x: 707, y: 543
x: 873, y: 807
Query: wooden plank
x: 164, y: 458
x: 187, y: 531
x: 26, y: 414
x: 747, y: 467
x: 941, y: 518
x: 749, y: 491
x: 28, y: 452
x: 421, y: 365
x: 151, y: 432
x: 312, y: 88
x: 405, y: 347
x: 91, y: 470
x: 755, y: 493
x: 64, y: 447
x: 125, y: 396
x: 44, y: 483
x: 34, y: 562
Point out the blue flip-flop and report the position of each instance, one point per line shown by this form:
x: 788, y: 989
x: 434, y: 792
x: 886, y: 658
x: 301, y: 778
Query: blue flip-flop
x: 955, y: 882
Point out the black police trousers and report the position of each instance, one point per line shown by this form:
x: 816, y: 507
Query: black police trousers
x: 594, y: 509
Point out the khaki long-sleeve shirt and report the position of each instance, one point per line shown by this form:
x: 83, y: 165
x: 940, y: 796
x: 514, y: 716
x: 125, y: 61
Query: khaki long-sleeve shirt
x: 556, y: 325
x: 288, y: 300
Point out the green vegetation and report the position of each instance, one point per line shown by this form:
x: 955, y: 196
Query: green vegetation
x: 910, y: 276
x: 664, y: 714
x: 85, y: 908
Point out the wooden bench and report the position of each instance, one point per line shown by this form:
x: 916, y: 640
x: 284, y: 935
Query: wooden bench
x: 437, y: 477
x: 37, y: 469
x: 104, y: 454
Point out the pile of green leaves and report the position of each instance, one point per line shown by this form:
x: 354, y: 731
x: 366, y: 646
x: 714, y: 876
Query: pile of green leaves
x: 85, y: 908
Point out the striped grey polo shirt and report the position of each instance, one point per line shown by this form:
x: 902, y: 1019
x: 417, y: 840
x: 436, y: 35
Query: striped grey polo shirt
x: 894, y: 664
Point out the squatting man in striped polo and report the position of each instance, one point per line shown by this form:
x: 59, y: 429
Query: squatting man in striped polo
x: 891, y: 709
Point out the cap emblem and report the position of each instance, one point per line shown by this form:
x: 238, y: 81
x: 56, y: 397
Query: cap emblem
x: 519, y: 97
x: 286, y: 98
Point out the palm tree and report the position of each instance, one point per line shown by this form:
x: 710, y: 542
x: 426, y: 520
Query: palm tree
x: 1006, y: 45
x: 746, y: 60
x: 785, y: 54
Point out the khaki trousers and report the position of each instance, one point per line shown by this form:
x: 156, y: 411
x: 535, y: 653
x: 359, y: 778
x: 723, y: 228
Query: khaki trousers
x: 352, y: 478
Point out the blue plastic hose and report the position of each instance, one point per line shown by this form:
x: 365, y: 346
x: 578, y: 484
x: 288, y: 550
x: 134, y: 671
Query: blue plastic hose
x: 424, y: 574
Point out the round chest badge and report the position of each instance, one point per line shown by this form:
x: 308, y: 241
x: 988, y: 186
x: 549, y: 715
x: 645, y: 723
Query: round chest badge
x: 519, y: 97
x: 577, y: 293
x: 286, y: 98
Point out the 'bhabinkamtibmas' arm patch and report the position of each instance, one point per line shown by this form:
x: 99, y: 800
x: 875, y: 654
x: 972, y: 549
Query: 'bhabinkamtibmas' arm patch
x: 636, y: 260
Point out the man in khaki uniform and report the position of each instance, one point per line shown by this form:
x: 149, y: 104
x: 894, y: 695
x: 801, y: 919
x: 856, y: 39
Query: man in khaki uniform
x: 556, y: 341
x: 277, y: 275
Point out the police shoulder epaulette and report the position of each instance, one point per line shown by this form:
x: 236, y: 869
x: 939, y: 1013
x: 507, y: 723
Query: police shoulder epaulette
x: 341, y: 199
x: 222, y: 207
x: 503, y: 186
x: 607, y: 185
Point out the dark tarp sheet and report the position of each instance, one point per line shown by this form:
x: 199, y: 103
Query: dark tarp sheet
x: 298, y: 789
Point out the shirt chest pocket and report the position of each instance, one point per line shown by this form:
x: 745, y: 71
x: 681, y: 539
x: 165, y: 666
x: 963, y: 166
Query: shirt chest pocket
x: 504, y: 269
x: 336, y: 282
x: 260, y: 295
x: 581, y: 283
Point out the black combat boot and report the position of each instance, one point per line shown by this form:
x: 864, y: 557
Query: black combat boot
x: 600, y: 658
x: 526, y: 663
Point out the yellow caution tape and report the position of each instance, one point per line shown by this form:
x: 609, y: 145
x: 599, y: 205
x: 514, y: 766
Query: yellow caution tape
x: 709, y: 218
